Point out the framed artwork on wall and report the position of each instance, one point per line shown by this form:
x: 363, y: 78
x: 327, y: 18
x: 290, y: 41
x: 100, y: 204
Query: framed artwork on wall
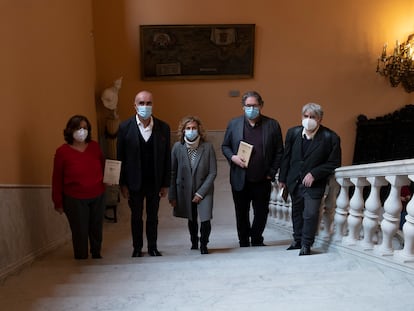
x: 207, y: 51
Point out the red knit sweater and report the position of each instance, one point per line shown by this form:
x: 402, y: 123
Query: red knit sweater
x: 77, y: 174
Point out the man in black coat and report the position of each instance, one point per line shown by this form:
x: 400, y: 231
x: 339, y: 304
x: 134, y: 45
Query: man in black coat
x: 251, y: 182
x: 312, y: 153
x: 143, y: 147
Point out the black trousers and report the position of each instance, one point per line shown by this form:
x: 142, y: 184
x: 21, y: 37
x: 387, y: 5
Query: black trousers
x: 257, y: 194
x: 205, y: 228
x: 305, y: 216
x: 85, y: 217
x: 136, y: 204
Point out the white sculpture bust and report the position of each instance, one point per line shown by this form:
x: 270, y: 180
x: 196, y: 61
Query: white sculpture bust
x: 109, y: 96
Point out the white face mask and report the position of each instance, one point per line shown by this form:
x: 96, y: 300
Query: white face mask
x: 80, y: 135
x: 309, y: 124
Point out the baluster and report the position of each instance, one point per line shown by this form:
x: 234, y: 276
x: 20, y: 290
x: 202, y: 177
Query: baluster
x: 279, y: 209
x: 356, y: 206
x: 287, y: 211
x: 273, y: 200
x: 328, y: 208
x: 371, y: 213
x: 341, y: 211
x: 391, y: 217
x: 407, y: 253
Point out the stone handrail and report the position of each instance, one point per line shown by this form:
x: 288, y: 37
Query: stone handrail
x: 355, y: 213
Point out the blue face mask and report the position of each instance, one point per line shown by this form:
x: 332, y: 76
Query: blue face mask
x: 191, y: 134
x: 251, y: 112
x: 144, y: 111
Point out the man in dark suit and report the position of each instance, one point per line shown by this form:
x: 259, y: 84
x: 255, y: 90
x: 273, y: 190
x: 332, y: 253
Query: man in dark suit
x: 312, y: 153
x: 251, y: 182
x: 144, y: 149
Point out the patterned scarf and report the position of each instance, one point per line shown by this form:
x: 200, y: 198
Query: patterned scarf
x: 192, y: 147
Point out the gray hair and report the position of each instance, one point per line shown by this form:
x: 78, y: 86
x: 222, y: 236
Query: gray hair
x: 312, y: 107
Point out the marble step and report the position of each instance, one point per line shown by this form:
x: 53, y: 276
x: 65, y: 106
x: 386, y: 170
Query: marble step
x: 165, y: 292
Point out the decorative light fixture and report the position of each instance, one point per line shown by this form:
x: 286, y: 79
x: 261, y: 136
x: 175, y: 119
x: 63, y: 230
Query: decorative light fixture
x: 399, y: 67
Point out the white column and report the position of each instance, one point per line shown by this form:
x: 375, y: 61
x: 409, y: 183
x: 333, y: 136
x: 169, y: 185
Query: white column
x: 370, y: 223
x: 328, y: 209
x: 341, y: 211
x: 279, y: 208
x: 356, y: 207
x: 391, y: 217
x: 287, y: 211
x: 407, y: 253
x: 273, y: 200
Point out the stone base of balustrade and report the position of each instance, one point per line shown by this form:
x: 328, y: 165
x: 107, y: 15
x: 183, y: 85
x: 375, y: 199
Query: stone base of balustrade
x: 401, y: 256
x: 380, y: 250
x: 366, y: 246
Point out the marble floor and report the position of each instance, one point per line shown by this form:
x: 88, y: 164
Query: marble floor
x: 229, y: 278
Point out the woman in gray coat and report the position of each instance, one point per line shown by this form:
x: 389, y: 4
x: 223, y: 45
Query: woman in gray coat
x: 193, y: 171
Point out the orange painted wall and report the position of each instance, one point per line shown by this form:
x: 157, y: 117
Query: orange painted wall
x: 56, y: 56
x: 320, y: 51
x: 47, y: 74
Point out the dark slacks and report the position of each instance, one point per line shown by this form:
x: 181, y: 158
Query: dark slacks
x: 85, y: 217
x: 257, y: 194
x: 136, y: 204
x: 205, y: 228
x: 305, y: 216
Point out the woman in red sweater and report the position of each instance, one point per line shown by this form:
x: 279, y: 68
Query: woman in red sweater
x: 78, y: 188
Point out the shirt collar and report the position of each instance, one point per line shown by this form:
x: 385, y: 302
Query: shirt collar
x: 258, y: 122
x: 311, y: 136
x: 140, y: 124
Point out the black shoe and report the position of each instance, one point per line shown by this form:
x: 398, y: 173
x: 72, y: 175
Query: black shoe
x: 203, y: 249
x: 96, y: 256
x: 294, y: 245
x: 194, y: 242
x: 154, y: 252
x: 258, y: 244
x: 244, y: 244
x: 305, y: 250
x: 136, y: 253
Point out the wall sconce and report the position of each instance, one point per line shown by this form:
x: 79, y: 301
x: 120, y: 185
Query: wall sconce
x: 399, y: 67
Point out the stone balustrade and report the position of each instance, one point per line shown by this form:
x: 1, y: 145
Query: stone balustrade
x: 361, y: 210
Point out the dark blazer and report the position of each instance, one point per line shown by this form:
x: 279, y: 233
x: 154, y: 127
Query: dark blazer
x: 321, y: 159
x: 272, y: 148
x: 128, y: 149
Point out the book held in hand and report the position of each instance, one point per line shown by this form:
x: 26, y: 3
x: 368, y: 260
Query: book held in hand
x: 245, y: 151
x: 112, y: 172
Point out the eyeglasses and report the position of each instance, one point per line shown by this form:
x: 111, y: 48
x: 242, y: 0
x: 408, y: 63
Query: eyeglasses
x: 253, y: 106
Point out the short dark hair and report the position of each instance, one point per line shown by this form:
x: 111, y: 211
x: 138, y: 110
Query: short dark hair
x: 73, y: 125
x: 252, y: 94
